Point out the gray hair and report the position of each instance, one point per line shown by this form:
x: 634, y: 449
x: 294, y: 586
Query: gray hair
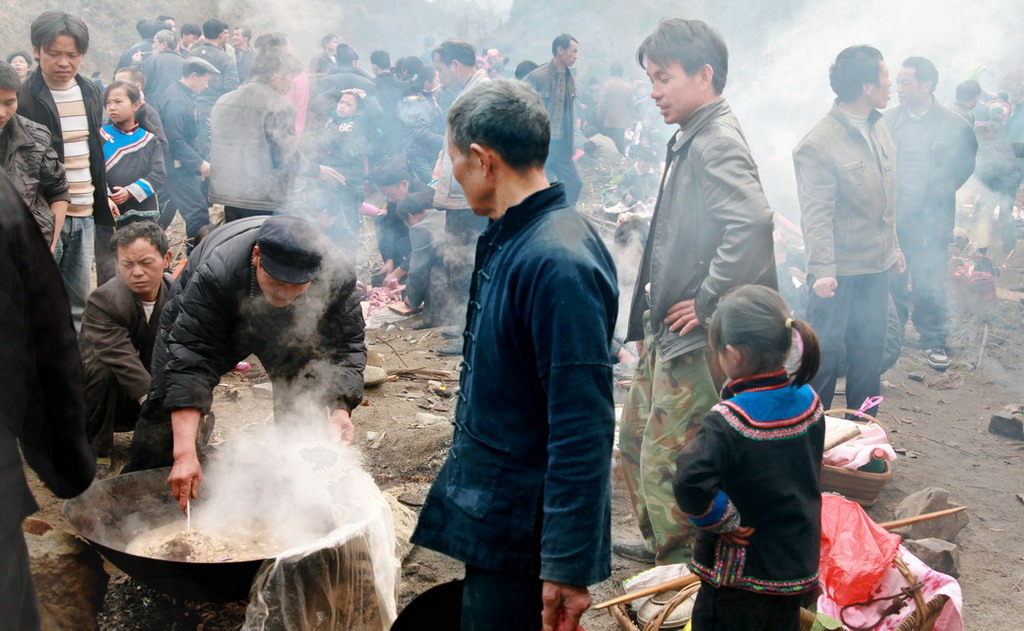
x: 166, y: 37
x: 506, y: 116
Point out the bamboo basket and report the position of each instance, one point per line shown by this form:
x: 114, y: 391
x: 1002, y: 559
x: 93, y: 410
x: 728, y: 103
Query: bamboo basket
x: 859, y: 486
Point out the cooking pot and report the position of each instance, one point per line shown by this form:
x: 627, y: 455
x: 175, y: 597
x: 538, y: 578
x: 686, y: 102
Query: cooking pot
x: 114, y: 511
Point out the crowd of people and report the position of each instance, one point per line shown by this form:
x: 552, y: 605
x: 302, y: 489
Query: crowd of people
x: 473, y: 179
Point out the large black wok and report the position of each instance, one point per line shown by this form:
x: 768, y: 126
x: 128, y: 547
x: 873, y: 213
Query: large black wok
x: 112, y: 512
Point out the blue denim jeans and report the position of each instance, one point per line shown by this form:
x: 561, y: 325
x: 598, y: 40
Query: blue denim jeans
x: 74, y: 254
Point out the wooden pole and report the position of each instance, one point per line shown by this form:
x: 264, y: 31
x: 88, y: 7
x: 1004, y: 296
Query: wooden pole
x: 690, y: 579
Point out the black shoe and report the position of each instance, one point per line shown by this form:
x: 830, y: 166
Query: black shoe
x: 937, y: 358
x: 452, y: 332
x: 634, y: 551
x: 453, y: 350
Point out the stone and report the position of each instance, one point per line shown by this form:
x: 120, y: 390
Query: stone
x: 1006, y: 425
x: 423, y: 419
x: 405, y: 523
x: 374, y: 375
x: 930, y: 500
x: 941, y: 556
x: 915, y: 376
x: 70, y: 581
x: 263, y: 390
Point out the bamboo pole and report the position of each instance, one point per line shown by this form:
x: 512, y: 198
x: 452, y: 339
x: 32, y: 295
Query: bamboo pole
x: 689, y: 579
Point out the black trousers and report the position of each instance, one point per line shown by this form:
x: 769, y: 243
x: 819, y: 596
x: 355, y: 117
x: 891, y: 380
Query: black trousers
x: 853, y: 321
x: 105, y: 252
x: 109, y: 408
x: 234, y: 213
x: 560, y: 167
x: 463, y: 228
x: 185, y: 193
x: 730, y: 609
x: 920, y: 293
x: 17, y: 591
x: 500, y: 601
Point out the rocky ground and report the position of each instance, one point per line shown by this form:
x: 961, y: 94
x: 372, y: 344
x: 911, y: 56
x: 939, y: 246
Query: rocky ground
x: 938, y: 424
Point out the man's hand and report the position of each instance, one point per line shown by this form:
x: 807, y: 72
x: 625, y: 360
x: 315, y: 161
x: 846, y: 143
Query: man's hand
x: 391, y: 280
x: 826, y: 287
x: 330, y: 175
x: 204, y: 170
x: 114, y: 210
x: 901, y: 262
x: 186, y: 476
x: 739, y: 537
x: 563, y: 606
x: 120, y: 195
x: 341, y: 428
x: 682, y: 317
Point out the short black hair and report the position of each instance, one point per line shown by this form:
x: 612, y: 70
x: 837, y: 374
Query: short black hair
x: 213, y: 27
x: 690, y: 43
x: 381, y: 59
x: 968, y: 91
x: 246, y: 32
x: 389, y: 175
x: 137, y: 76
x: 191, y: 29
x: 326, y: 39
x: 148, y: 28
x: 20, y: 53
x: 524, y: 68
x: 854, y: 66
x: 924, y: 70
x: 129, y: 88
x: 506, y: 116
x: 146, y: 229
x: 164, y: 18
x: 52, y: 24
x: 456, y: 50
x: 414, y: 204
x: 9, y: 78
x: 268, y: 41
x: 346, y: 55
x: 562, y: 41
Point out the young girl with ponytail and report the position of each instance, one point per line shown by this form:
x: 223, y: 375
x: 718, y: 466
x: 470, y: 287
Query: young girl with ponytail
x: 750, y: 480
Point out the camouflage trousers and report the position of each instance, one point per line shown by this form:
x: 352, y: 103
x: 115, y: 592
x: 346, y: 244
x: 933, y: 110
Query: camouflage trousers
x: 663, y: 411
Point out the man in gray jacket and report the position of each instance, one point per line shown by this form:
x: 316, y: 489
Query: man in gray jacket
x: 845, y: 173
x: 711, y: 231
x: 254, y: 151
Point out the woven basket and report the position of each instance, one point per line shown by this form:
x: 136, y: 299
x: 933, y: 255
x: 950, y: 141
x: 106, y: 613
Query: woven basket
x: 925, y: 613
x: 620, y: 614
x: 859, y: 486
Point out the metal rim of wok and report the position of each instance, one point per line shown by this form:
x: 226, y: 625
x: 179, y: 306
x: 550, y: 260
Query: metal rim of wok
x: 104, y: 515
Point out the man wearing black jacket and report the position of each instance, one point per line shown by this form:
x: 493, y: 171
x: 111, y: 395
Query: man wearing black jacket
x: 42, y: 405
x: 186, y: 167
x: 269, y: 286
x: 56, y: 96
x: 211, y: 50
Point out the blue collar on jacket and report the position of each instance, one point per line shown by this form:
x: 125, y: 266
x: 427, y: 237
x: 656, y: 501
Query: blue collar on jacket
x: 770, y: 401
x: 543, y: 201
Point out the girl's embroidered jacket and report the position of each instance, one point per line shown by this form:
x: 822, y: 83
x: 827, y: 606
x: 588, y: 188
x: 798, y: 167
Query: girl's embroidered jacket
x: 756, y: 462
x: 135, y: 161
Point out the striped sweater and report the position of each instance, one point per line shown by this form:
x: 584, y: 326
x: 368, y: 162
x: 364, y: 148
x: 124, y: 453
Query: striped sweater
x: 134, y: 162
x: 74, y: 124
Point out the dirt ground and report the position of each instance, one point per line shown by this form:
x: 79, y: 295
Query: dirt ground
x: 942, y: 431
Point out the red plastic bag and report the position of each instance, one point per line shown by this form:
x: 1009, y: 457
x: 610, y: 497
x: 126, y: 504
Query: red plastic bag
x: 855, y: 551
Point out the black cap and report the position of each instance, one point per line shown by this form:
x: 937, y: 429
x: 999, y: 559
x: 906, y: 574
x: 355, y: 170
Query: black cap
x: 291, y: 249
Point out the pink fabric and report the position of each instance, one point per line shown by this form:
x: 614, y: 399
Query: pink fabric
x: 855, y: 453
x: 298, y: 96
x: 369, y: 210
x: 934, y: 584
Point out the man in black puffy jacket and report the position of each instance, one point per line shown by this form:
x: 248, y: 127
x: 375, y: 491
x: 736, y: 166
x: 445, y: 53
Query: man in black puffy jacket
x: 269, y: 286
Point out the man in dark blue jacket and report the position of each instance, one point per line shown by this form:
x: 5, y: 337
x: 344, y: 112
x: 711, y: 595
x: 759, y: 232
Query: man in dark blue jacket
x: 524, y: 498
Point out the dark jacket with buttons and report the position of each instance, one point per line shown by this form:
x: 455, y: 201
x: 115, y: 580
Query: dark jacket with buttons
x: 526, y: 485
x: 711, y: 230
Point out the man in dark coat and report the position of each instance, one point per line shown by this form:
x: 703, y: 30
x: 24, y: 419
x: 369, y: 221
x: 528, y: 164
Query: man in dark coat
x: 163, y: 67
x: 186, y: 167
x: 211, y: 50
x: 524, y: 498
x: 42, y: 405
x: 118, y: 333
x: 269, y: 286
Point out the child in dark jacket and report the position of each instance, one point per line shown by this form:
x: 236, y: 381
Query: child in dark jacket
x: 750, y: 480
x: 134, y: 157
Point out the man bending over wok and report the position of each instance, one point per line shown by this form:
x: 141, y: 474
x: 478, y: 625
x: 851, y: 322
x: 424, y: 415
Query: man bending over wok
x: 269, y: 286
